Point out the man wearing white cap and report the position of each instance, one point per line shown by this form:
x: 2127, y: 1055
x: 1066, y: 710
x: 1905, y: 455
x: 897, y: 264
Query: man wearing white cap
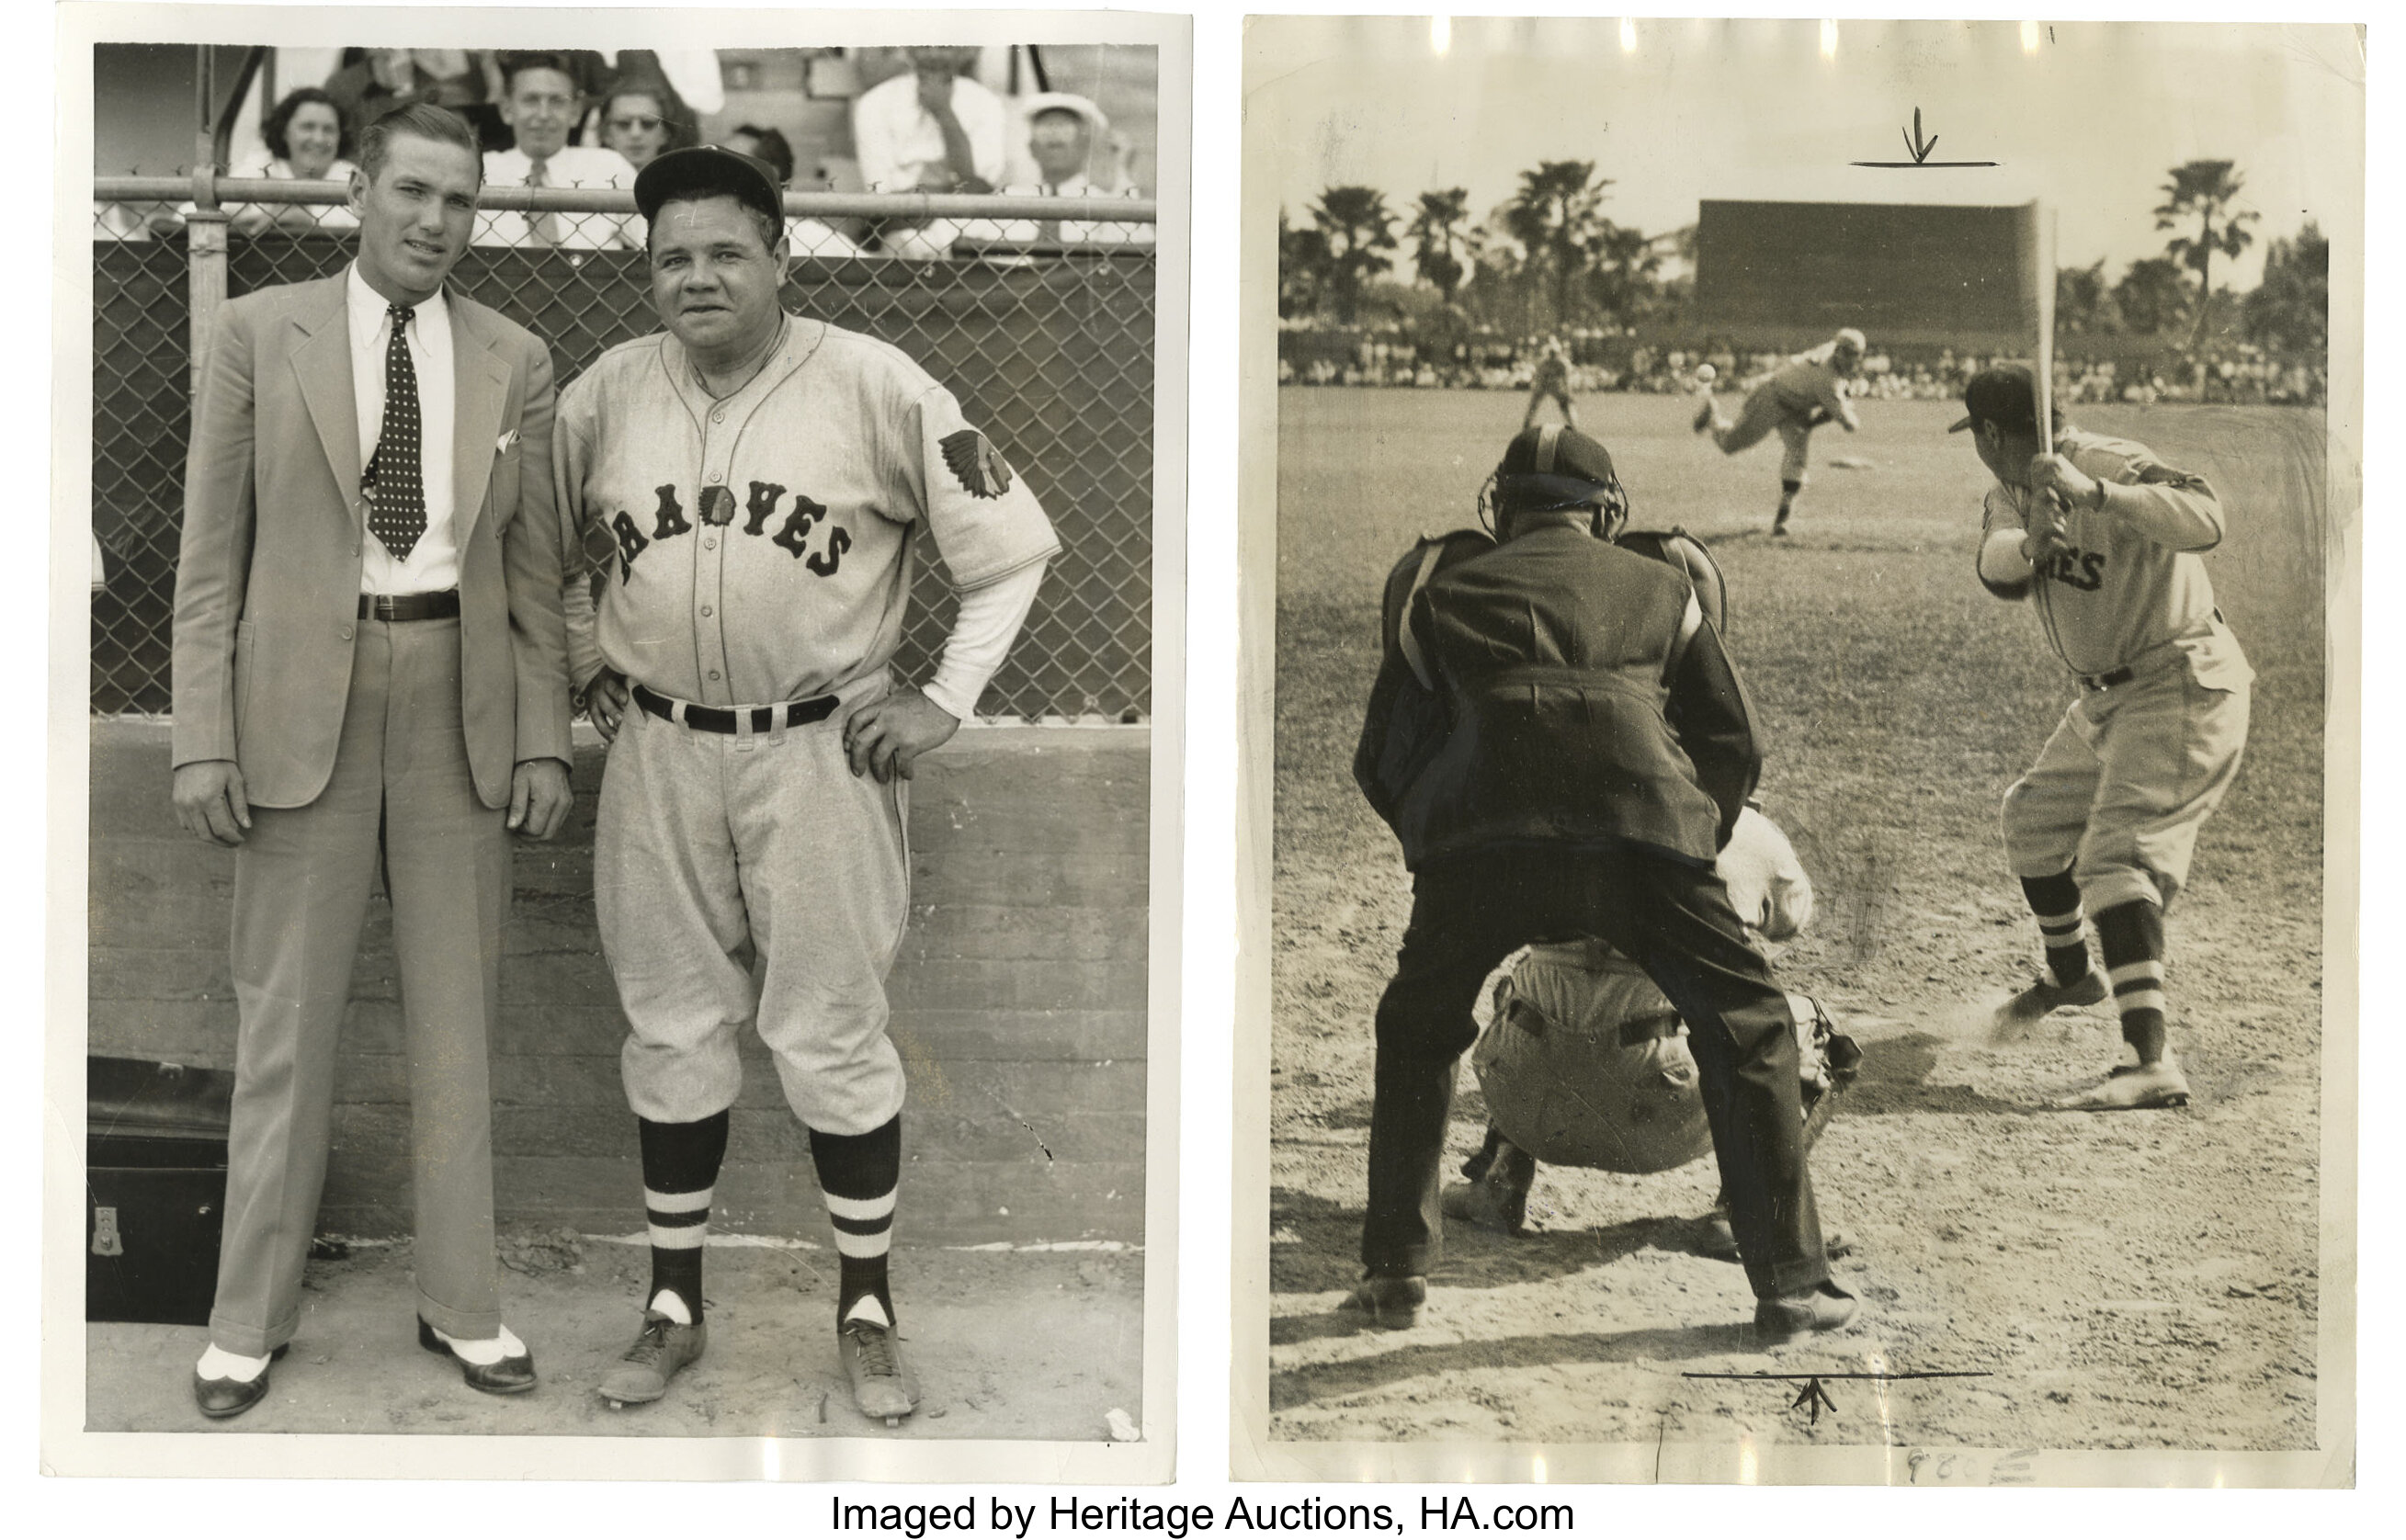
x: 1800, y: 395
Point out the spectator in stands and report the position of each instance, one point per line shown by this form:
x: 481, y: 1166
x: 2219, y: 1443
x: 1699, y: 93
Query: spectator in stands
x: 1062, y: 132
x: 541, y: 104
x: 639, y: 121
x: 378, y: 80
x: 307, y: 140
x: 928, y: 130
x: 804, y: 237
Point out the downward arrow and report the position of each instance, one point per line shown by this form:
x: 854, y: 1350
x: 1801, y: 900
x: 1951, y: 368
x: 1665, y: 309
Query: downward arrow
x: 1913, y: 144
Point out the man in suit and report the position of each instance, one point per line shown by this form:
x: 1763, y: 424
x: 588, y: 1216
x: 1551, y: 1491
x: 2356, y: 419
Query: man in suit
x: 370, y: 679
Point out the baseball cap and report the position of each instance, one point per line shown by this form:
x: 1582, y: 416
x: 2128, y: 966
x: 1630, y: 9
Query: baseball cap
x: 1853, y: 338
x: 2004, y: 394
x: 704, y: 171
x: 1548, y: 467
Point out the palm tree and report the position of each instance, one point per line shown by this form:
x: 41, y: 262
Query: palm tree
x: 2205, y: 189
x: 1303, y: 270
x: 1622, y: 278
x: 2152, y: 296
x: 1557, y: 215
x: 2289, y: 312
x: 1357, y: 225
x: 1437, y: 236
x: 2082, y: 300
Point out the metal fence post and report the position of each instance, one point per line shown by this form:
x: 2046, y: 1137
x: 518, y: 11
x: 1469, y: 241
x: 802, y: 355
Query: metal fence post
x: 205, y: 230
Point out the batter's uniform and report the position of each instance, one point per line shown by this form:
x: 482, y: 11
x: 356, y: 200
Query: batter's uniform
x: 757, y: 562
x: 1787, y: 403
x: 2153, y: 741
x: 1551, y: 382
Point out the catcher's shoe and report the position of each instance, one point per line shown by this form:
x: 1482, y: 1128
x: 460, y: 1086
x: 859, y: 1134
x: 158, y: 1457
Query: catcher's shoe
x: 662, y: 1348
x: 1718, y: 1241
x: 1789, y: 1316
x: 1392, y: 1301
x: 2045, y: 996
x: 1496, y: 1197
x: 882, y: 1384
x: 2132, y: 1087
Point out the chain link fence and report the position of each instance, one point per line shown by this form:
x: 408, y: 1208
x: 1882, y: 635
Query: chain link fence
x: 1041, y: 325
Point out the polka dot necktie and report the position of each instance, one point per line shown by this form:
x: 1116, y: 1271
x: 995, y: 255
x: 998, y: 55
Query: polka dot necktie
x: 397, y: 487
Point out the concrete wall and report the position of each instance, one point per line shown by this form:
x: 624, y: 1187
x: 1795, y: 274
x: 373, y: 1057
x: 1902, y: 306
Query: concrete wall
x: 1019, y: 1005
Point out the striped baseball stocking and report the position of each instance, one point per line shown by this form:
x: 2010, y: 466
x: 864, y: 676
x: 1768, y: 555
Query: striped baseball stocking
x: 858, y: 1173
x: 2056, y: 901
x: 681, y: 1163
x: 2131, y: 935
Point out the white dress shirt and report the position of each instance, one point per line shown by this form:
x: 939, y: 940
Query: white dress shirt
x: 898, y: 143
x: 576, y: 166
x: 433, y: 565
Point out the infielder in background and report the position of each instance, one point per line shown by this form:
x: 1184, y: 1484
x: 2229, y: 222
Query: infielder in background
x: 1563, y: 748
x: 749, y: 481
x: 2103, y: 538
x: 1551, y: 382
x: 1799, y: 396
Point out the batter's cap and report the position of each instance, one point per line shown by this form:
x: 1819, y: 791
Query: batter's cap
x: 2005, y: 395
x: 1553, y: 467
x: 709, y: 170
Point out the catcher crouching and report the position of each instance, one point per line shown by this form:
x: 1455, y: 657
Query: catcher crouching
x: 1563, y: 749
x: 1583, y: 1061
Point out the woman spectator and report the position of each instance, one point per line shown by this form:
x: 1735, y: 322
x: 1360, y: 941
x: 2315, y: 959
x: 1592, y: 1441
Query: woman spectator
x: 640, y: 121
x: 307, y: 140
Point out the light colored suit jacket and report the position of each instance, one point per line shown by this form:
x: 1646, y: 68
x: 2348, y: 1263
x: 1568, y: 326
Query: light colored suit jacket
x: 267, y: 586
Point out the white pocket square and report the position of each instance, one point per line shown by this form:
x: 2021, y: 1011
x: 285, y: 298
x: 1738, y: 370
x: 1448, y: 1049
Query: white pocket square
x: 506, y: 443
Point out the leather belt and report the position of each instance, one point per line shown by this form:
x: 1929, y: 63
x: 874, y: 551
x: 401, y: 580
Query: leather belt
x: 818, y: 707
x: 2106, y: 681
x: 442, y: 606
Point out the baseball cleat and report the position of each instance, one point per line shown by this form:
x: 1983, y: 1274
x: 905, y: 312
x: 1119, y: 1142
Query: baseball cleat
x: 661, y: 1349
x: 2045, y: 996
x: 882, y: 1384
x: 1779, y: 524
x: 1790, y: 1316
x: 1705, y: 414
x: 2133, y: 1087
x: 1393, y: 1303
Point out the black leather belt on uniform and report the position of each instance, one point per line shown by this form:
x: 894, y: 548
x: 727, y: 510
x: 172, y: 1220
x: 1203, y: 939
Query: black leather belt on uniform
x: 2108, y: 680
x: 818, y: 707
x: 442, y: 606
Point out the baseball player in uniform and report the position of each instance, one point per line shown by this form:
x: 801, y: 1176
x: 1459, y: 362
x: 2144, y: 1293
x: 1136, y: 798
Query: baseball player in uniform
x: 1563, y: 749
x: 1799, y: 396
x: 1551, y: 382
x: 2103, y: 539
x: 748, y: 482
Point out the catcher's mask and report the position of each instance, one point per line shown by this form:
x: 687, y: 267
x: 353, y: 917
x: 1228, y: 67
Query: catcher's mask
x: 1550, y: 468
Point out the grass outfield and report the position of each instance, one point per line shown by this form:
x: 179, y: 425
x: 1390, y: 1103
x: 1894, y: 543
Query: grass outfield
x: 1898, y: 700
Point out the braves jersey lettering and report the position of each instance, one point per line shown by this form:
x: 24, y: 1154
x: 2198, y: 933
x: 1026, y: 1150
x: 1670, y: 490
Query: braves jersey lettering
x: 2082, y: 570
x: 669, y: 520
x: 834, y: 450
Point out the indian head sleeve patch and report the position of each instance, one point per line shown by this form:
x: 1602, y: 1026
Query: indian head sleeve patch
x: 976, y: 464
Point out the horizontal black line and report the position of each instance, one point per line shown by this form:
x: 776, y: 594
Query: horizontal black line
x: 1915, y: 1374
x: 1919, y: 165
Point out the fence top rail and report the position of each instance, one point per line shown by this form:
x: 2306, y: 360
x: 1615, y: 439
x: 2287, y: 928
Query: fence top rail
x: 208, y: 189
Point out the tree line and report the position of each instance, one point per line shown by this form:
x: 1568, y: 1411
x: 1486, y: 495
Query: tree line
x: 1550, y: 258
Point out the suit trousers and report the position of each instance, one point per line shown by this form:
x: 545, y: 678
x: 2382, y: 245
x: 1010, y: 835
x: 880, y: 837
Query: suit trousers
x: 1471, y: 911
x: 401, y: 796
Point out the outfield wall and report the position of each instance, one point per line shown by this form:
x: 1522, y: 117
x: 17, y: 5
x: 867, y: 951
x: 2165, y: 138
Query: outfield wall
x: 1019, y: 1005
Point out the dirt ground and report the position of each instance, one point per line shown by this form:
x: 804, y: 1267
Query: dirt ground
x: 1023, y: 1345
x: 2142, y: 1280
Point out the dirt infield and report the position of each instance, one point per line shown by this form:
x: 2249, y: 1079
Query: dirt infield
x: 2144, y: 1280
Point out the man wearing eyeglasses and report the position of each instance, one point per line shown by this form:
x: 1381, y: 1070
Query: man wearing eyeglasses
x: 542, y: 104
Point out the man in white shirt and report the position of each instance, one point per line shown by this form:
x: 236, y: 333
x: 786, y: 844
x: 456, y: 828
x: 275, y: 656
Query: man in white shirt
x: 1062, y: 132
x: 929, y: 130
x: 541, y: 104
x: 371, y: 682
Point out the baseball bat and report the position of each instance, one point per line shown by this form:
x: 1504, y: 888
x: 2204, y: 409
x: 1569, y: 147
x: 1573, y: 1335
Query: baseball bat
x: 2035, y: 230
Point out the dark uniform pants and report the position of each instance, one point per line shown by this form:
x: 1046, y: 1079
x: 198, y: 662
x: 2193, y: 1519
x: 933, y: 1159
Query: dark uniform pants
x: 1469, y: 913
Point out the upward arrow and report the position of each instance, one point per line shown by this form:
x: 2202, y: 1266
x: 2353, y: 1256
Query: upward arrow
x: 1913, y: 144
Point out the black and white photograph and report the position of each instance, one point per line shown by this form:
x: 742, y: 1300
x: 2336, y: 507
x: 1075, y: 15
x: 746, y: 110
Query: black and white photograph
x: 1803, y: 582
x: 626, y: 873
